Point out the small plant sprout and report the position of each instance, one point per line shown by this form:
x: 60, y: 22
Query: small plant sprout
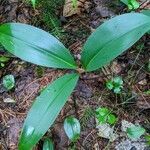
x: 9, y: 82
x: 48, y: 144
x: 104, y: 115
x: 74, y: 4
x: 34, y: 45
x: 72, y: 128
x: 115, y: 84
x: 132, y: 4
x: 3, y: 60
x: 147, y: 137
x: 33, y: 3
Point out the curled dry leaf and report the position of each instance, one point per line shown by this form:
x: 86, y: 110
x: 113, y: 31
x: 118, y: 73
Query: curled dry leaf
x: 70, y: 10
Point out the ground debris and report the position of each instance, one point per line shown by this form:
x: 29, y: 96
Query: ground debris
x: 131, y: 145
x: 70, y: 10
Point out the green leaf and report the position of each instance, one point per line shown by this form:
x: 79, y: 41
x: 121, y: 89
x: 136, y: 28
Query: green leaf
x: 111, y: 119
x: 35, y: 45
x: 74, y: 3
x: 112, y: 38
x: 109, y: 85
x: 146, y: 12
x: 45, y: 110
x: 102, y: 114
x: 48, y: 144
x: 135, y: 132
x: 72, y: 128
x: 125, y: 2
x: 33, y: 3
x: 8, y: 82
x: 4, y: 59
x: 132, y: 4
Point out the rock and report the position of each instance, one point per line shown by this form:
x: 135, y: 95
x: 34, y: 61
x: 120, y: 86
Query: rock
x: 100, y: 2
x: 60, y: 137
x: 82, y: 90
x: 130, y: 145
x: 125, y: 124
x: 143, y: 82
x: 106, y: 131
x: 104, y: 11
x: 13, y: 1
x: 14, y: 125
x: 9, y: 100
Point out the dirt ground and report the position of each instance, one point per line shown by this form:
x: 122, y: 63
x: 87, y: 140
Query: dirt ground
x: 132, y: 105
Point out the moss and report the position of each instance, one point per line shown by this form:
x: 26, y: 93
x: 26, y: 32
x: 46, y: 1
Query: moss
x: 49, y: 16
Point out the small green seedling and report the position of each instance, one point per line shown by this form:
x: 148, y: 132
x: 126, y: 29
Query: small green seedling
x: 48, y: 144
x: 3, y: 60
x: 135, y: 132
x: 41, y: 48
x: 132, y: 4
x: 9, y: 82
x: 74, y: 4
x: 147, y: 137
x: 104, y: 115
x: 72, y: 128
x: 115, y: 84
x: 33, y: 3
x: 147, y: 92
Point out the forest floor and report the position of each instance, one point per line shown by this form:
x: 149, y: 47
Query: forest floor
x: 132, y: 105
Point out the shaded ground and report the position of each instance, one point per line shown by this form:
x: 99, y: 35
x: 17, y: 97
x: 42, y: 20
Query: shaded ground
x: 132, y: 104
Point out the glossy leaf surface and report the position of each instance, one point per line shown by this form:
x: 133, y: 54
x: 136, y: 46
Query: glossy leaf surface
x: 45, y: 110
x: 112, y: 38
x: 72, y: 128
x: 35, y: 45
x: 48, y: 144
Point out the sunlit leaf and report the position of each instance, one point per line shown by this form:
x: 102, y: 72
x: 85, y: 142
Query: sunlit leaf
x: 48, y: 144
x: 35, y: 45
x: 112, y: 38
x: 45, y: 110
x: 72, y: 128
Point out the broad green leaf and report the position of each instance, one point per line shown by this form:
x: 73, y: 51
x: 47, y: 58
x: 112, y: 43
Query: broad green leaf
x: 72, y: 128
x: 8, y: 82
x: 135, y: 132
x: 146, y: 12
x: 112, y: 38
x: 48, y: 144
x: 35, y: 45
x: 45, y: 110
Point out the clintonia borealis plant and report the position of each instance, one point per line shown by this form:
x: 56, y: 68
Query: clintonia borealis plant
x: 39, y: 47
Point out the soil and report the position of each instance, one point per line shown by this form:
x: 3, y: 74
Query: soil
x: 133, y: 104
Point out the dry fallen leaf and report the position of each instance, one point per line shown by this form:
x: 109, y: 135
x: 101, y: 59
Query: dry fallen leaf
x: 69, y: 10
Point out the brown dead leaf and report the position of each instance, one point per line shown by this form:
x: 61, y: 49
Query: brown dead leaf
x: 69, y: 10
